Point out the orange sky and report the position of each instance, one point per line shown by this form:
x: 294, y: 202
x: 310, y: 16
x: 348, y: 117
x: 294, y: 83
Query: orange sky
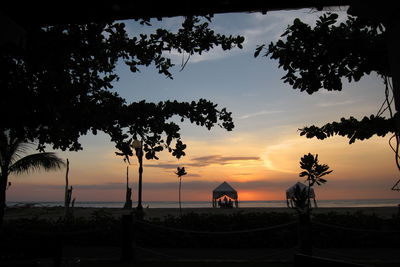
x: 361, y: 170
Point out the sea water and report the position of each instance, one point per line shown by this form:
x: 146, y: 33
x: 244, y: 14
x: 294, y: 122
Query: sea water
x: 207, y: 204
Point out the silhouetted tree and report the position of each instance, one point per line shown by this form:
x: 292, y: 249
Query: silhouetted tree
x: 180, y: 172
x: 58, y: 87
x: 313, y: 171
x: 12, y: 161
x: 321, y: 57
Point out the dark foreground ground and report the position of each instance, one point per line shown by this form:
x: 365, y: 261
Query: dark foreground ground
x: 100, y: 255
x: 54, y: 212
x: 107, y: 257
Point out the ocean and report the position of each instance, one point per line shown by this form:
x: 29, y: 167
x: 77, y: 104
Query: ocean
x: 207, y: 204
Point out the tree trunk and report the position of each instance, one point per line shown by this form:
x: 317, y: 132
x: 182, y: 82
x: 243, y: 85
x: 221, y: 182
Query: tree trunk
x: 3, y: 188
x: 305, y: 234
x: 66, y: 202
x: 180, y: 205
x: 308, y: 194
x: 68, y: 192
x: 140, y: 157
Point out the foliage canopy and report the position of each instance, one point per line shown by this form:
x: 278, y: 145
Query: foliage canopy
x: 321, y: 57
x: 313, y: 170
x: 58, y: 87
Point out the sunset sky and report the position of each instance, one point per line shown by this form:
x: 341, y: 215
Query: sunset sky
x: 260, y: 157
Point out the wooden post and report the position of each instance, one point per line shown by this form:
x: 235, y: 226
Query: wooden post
x: 127, y: 247
x: 128, y: 194
x: 139, y: 153
x: 68, y: 212
x: 68, y: 192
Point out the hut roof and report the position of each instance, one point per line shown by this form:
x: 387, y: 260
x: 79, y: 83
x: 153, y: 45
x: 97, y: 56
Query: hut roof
x: 225, y: 189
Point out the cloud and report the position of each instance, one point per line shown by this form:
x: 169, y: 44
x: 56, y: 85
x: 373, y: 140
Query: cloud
x: 164, y: 165
x: 334, y: 104
x: 260, y: 113
x: 210, y: 185
x: 103, y: 186
x: 279, y: 156
x: 218, y: 159
x: 243, y: 174
x: 204, y: 161
x: 211, y: 55
x: 188, y: 185
x: 255, y: 28
x: 192, y: 175
x: 239, y: 158
x: 173, y: 166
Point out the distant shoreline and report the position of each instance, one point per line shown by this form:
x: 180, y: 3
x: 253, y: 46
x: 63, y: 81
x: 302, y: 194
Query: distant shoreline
x: 56, y: 212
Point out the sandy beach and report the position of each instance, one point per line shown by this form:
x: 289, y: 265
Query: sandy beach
x: 55, y: 212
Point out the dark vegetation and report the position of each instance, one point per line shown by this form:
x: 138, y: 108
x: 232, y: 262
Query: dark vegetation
x: 355, y: 230
x: 223, y: 231
x: 189, y: 263
x: 65, y: 76
x: 322, y: 57
x: 36, y: 237
x: 243, y: 230
x: 55, y: 86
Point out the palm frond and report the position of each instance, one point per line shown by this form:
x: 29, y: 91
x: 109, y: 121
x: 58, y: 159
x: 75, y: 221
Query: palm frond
x: 3, y: 147
x: 181, y: 171
x: 12, y: 148
x: 47, y: 161
x: 18, y: 148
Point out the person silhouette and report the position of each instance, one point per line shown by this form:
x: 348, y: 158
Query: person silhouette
x: 230, y: 204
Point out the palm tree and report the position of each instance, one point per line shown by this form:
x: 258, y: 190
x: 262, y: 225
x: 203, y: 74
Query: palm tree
x: 180, y: 172
x: 13, y: 161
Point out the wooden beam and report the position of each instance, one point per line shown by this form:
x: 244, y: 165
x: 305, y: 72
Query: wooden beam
x: 65, y: 12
